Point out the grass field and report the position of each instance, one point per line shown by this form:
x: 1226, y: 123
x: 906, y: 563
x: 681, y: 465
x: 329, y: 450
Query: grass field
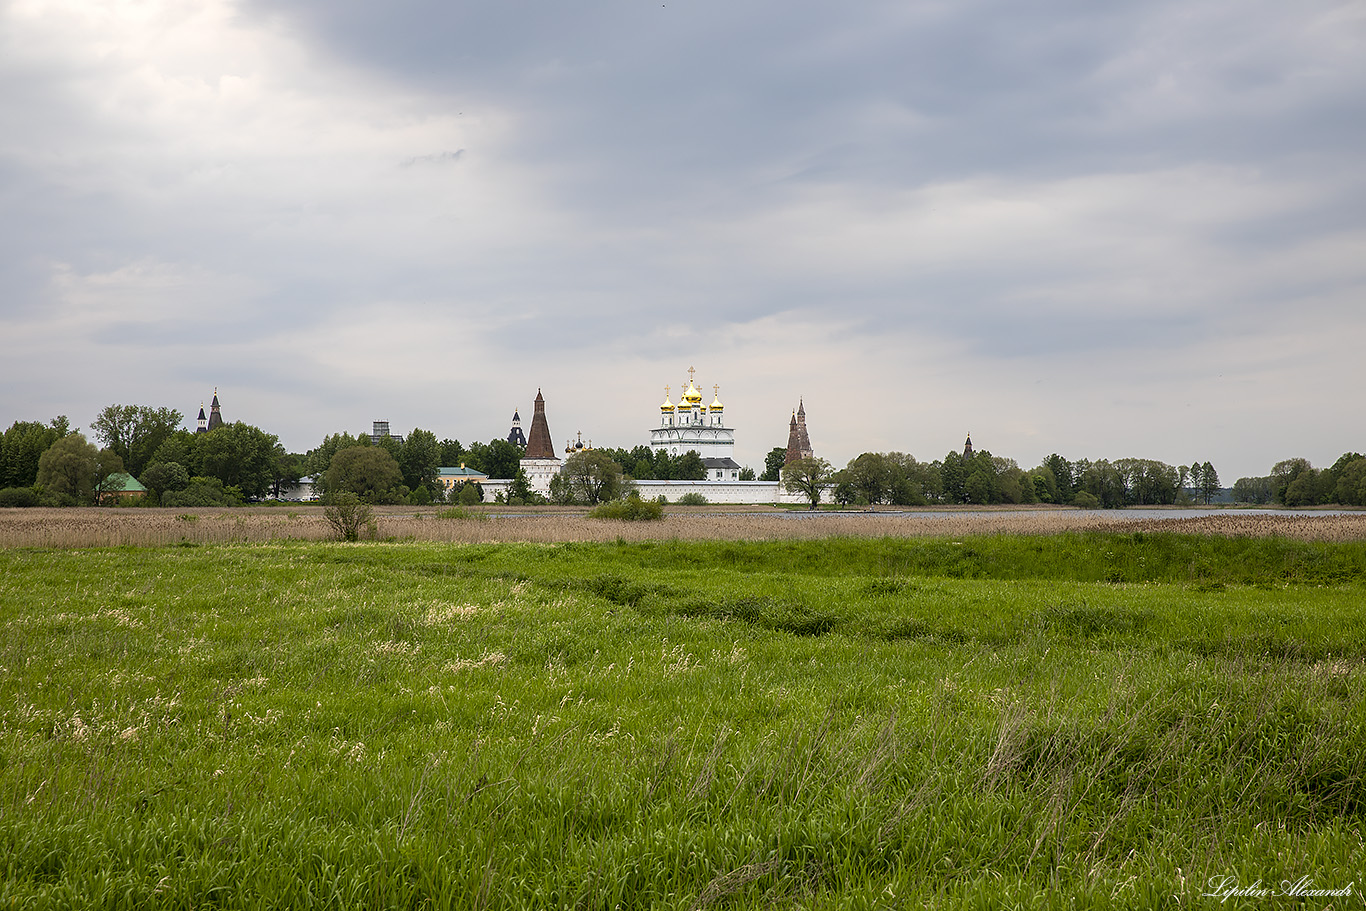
x: 1086, y: 719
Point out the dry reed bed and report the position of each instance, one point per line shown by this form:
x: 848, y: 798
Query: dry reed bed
x: 153, y: 527
x: 1299, y: 526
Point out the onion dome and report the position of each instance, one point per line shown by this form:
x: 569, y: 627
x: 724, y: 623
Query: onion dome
x: 716, y: 400
x: 668, y: 406
x: 691, y: 396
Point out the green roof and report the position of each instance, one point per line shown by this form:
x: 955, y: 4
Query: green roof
x: 122, y: 480
x: 461, y: 472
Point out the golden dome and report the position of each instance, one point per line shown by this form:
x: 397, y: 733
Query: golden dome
x: 716, y: 399
x: 691, y: 395
x: 668, y: 405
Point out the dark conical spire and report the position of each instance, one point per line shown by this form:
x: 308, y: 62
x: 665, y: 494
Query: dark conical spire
x: 515, y: 435
x: 967, y: 448
x: 203, y: 425
x: 215, y: 419
x: 538, y: 445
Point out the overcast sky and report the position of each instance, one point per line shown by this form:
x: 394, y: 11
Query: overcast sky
x: 1105, y: 230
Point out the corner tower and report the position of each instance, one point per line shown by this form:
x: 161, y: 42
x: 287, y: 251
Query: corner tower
x: 798, y: 443
x: 540, y: 462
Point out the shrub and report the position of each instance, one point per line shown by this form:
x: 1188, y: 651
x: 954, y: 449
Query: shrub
x: 203, y: 492
x: 631, y: 509
x: 1086, y: 500
x: 18, y: 496
x: 456, y: 512
x: 348, y: 515
x: 692, y: 499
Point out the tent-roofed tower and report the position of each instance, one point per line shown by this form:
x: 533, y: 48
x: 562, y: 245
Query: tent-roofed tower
x: 215, y: 418
x: 540, y: 462
x: 515, y: 435
x: 538, y: 445
x: 967, y: 448
x: 203, y: 425
x: 798, y: 443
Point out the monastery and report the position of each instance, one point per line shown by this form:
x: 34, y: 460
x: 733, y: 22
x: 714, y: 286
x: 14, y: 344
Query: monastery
x: 688, y: 425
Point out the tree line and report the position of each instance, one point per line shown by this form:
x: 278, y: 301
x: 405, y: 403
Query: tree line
x: 980, y: 478
x: 52, y: 464
x: 1295, y: 482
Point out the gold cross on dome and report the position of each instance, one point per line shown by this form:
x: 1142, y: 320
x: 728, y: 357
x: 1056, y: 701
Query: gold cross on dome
x: 716, y: 389
x: 691, y: 371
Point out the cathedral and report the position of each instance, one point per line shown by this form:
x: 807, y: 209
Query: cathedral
x: 692, y: 426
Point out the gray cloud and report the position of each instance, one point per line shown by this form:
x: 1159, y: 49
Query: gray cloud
x: 891, y: 195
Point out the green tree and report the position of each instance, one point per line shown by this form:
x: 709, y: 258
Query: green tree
x: 870, y: 476
x: 1195, y: 479
x: 159, y: 477
x: 912, y: 482
x: 1045, y: 485
x: 747, y: 473
x: 203, y: 491
x: 953, y: 473
x: 1331, y: 486
x: 663, y: 465
x: 349, y: 516
x: 1287, y: 472
x: 72, y: 467
x: 369, y: 472
x: 420, y: 459
x: 317, y: 461
x: 1209, y: 483
x: 977, y: 488
x: 22, y: 445
x: 807, y: 477
x: 1064, y: 478
x: 519, y: 491
x: 591, y: 477
x: 1103, y: 481
x: 289, y: 469
x: 773, y: 464
x: 181, y: 447
x: 240, y: 456
x: 1258, y: 491
x: 497, y: 458
x: 452, y: 453
x: 135, y: 432
x: 1350, y: 486
x: 689, y: 467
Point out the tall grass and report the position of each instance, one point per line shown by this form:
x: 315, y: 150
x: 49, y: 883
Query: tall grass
x: 711, y: 724
x: 159, y: 527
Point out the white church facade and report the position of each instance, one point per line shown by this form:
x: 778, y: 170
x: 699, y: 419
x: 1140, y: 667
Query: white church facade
x: 693, y: 426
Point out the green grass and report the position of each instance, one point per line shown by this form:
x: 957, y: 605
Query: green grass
x: 1073, y: 721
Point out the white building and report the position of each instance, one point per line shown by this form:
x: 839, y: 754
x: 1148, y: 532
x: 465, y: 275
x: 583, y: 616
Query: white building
x: 692, y: 426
